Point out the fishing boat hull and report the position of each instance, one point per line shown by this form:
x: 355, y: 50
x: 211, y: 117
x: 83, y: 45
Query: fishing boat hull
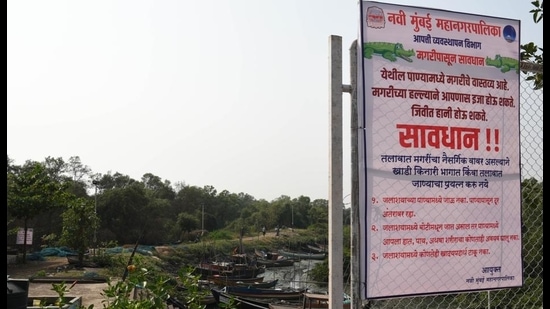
x: 283, y: 262
x: 228, y: 269
x: 303, y: 255
x: 271, y: 259
x: 316, y: 249
x: 321, y: 301
x: 229, y: 280
x: 285, y: 306
x: 252, y: 292
x: 260, y: 285
x: 226, y: 299
x: 311, y: 301
x: 256, y: 284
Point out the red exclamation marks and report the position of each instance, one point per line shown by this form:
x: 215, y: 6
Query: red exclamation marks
x: 497, y: 139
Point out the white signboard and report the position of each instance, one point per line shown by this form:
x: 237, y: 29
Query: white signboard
x: 21, y: 236
x: 439, y: 151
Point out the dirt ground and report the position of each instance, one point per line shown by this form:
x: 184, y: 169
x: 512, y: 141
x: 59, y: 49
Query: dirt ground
x: 90, y: 292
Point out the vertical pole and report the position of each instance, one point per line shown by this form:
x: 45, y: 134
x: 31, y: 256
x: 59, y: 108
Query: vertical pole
x: 95, y: 211
x: 241, y: 249
x: 336, y: 281
x: 355, y: 231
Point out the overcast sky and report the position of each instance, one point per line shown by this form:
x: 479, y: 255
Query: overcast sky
x: 230, y: 94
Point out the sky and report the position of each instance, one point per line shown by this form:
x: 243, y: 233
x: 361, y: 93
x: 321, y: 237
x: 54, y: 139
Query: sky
x: 228, y: 94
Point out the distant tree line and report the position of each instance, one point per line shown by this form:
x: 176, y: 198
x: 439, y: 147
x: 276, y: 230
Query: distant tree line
x: 59, y: 198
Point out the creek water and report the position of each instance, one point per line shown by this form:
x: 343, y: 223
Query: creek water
x: 296, y: 276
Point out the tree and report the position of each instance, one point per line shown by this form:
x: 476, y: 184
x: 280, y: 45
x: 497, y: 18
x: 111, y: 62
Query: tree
x: 73, y: 172
x: 124, y: 211
x: 187, y: 222
x: 530, y: 51
x: 532, y: 215
x: 31, y: 192
x: 56, y: 168
x: 318, y: 213
x: 157, y: 187
x: 76, y: 169
x: 79, y: 221
x: 299, y: 212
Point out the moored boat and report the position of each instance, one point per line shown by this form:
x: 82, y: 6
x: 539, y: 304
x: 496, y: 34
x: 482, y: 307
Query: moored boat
x: 271, y: 259
x: 285, y: 306
x: 303, y: 255
x: 231, y: 280
x: 239, y: 302
x: 284, y: 262
x: 311, y: 301
x: 320, y: 301
x: 261, y: 285
x: 228, y: 269
x: 245, y: 282
x: 253, y: 292
x: 316, y: 248
x: 267, y: 255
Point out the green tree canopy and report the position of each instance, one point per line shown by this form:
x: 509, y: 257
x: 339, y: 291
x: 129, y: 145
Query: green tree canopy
x: 31, y: 192
x: 530, y: 51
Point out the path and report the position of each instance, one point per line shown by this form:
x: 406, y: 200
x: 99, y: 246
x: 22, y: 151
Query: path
x: 90, y: 292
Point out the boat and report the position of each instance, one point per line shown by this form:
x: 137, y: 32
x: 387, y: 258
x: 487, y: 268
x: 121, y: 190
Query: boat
x: 283, y: 262
x: 261, y: 285
x: 204, y: 300
x: 271, y: 259
x: 285, y: 306
x: 231, y: 280
x: 173, y: 302
x: 182, y: 298
x: 247, y: 282
x: 316, y: 301
x: 206, y: 269
x: 316, y: 248
x: 253, y: 292
x: 303, y: 255
x: 311, y: 301
x: 267, y: 255
x: 238, y: 302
